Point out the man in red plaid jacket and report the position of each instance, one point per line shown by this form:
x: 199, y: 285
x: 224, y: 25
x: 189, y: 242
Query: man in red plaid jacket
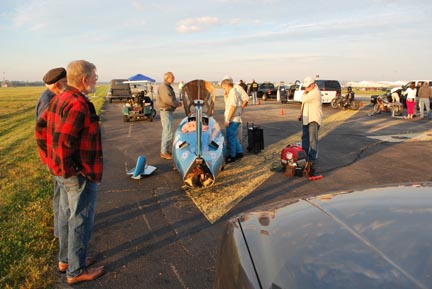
x: 69, y: 141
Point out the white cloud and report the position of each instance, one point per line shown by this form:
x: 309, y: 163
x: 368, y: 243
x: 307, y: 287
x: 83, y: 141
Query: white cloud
x: 135, y: 22
x: 32, y: 14
x: 190, y: 25
x: 138, y: 5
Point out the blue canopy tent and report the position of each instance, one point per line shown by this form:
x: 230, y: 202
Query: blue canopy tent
x: 139, y: 78
x: 141, y: 82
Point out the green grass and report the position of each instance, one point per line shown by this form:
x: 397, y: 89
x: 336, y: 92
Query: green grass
x: 27, y: 246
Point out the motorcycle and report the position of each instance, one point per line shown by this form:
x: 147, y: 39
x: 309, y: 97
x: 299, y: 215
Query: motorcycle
x: 384, y: 105
x: 344, y: 102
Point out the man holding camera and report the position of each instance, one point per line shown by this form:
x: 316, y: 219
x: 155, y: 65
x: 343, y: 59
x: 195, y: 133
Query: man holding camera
x: 311, y: 118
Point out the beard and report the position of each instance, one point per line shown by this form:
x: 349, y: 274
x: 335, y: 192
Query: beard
x: 91, y: 88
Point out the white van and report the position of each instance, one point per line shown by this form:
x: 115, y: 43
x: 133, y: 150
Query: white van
x: 329, y: 90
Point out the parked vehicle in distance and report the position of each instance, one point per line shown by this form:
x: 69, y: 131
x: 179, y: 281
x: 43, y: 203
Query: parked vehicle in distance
x: 266, y: 90
x: 329, y: 90
x: 374, y: 238
x: 417, y: 83
x: 119, y: 90
x: 283, y: 91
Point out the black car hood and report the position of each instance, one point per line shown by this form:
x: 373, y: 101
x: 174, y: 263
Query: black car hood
x: 379, y: 238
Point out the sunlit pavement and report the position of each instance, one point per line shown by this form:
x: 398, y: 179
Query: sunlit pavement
x: 150, y: 233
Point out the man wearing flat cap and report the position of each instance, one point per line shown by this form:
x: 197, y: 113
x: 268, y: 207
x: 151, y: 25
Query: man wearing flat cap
x: 311, y: 118
x: 55, y: 81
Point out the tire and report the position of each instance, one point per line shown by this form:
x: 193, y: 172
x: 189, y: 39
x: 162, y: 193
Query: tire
x: 334, y: 102
x: 153, y: 113
x: 354, y: 105
x: 377, y: 108
x: 397, y: 110
x: 125, y: 118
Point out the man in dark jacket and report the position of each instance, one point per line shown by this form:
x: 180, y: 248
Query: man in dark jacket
x: 254, y: 91
x: 55, y: 82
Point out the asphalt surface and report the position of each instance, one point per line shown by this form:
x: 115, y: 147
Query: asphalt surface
x: 148, y: 232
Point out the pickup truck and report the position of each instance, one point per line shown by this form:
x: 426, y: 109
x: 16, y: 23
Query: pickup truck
x: 119, y: 90
x: 266, y: 90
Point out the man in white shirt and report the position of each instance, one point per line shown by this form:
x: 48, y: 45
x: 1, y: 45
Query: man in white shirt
x: 311, y: 118
x: 234, y: 104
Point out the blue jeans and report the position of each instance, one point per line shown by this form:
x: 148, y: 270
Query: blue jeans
x: 167, y: 131
x: 56, y: 203
x: 75, y: 221
x: 254, y: 97
x: 233, y: 143
x: 310, y: 140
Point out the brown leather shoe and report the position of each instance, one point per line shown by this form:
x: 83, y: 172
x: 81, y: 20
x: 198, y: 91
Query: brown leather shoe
x: 62, y: 267
x: 166, y: 156
x: 86, y: 275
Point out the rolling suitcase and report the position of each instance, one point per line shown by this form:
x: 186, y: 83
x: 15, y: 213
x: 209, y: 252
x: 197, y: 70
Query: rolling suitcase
x: 255, y: 138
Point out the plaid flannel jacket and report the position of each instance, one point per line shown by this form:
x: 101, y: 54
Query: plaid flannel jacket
x: 69, y: 137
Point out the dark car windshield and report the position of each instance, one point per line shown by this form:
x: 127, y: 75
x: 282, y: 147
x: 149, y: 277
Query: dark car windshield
x: 266, y: 86
x: 328, y: 85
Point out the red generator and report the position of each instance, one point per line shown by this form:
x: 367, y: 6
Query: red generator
x: 292, y: 154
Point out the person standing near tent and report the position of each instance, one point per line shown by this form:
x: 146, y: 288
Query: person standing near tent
x: 167, y: 103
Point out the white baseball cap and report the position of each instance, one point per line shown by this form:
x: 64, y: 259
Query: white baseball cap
x: 227, y: 77
x: 308, y: 81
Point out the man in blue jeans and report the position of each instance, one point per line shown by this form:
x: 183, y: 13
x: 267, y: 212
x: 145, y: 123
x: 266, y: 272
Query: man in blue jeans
x: 55, y: 81
x: 69, y: 141
x: 167, y: 103
x: 234, y: 104
x: 311, y: 118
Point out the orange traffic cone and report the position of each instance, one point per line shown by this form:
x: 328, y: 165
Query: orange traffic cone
x: 259, y: 101
x: 361, y: 103
x: 282, y: 112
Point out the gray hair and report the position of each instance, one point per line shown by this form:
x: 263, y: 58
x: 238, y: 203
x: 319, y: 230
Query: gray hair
x: 78, y: 69
x: 167, y: 74
x: 227, y: 82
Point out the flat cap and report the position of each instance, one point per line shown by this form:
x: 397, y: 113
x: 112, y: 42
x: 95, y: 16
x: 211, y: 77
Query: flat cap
x: 54, y: 75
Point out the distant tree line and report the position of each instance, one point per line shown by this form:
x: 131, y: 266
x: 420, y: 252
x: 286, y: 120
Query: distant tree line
x: 16, y: 83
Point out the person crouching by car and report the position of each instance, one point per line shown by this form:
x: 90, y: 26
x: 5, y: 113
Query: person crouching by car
x: 233, y: 110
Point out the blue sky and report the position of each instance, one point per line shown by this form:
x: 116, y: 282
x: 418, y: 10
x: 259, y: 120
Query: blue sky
x: 262, y: 39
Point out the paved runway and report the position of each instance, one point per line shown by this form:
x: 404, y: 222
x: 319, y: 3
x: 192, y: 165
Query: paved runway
x: 150, y: 234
